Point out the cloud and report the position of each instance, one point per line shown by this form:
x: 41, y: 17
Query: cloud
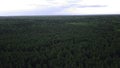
x: 57, y: 7
x: 87, y: 7
x: 26, y: 7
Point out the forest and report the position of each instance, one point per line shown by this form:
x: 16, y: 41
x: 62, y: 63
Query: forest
x: 60, y: 41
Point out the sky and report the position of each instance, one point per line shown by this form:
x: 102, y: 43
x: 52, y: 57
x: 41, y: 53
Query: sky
x: 58, y: 7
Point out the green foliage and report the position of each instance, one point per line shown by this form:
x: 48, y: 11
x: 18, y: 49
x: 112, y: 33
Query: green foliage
x: 60, y: 42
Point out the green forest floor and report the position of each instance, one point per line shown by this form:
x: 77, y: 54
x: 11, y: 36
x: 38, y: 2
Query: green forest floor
x: 60, y: 42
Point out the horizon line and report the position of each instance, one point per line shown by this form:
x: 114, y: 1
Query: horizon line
x: 59, y: 15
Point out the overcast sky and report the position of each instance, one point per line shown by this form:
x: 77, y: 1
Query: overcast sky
x: 58, y: 7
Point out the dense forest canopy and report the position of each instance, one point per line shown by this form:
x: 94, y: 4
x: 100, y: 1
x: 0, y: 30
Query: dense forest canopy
x: 60, y: 42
